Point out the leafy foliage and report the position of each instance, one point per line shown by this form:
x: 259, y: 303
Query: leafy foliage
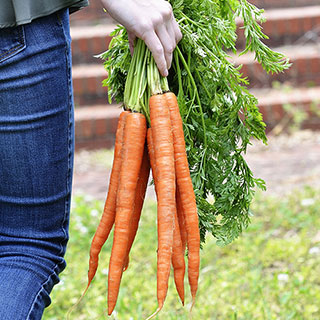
x: 220, y: 115
x: 117, y: 62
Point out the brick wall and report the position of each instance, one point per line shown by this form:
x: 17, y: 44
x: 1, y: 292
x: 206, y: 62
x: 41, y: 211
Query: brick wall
x: 283, y: 3
x: 289, y: 29
x: 90, y: 15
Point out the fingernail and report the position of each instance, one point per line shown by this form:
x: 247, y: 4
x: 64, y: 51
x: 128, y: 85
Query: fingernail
x: 166, y: 73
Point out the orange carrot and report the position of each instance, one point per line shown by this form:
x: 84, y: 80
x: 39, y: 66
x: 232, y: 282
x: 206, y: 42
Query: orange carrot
x: 177, y: 252
x: 151, y: 155
x: 178, y: 260
x: 166, y: 207
x: 186, y: 191
x: 182, y: 224
x: 138, y: 202
x: 108, y: 216
x: 131, y: 157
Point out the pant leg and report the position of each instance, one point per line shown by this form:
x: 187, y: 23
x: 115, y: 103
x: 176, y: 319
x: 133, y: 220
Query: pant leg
x: 36, y: 159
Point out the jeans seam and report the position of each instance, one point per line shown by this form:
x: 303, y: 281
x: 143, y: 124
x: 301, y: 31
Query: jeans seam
x: 69, y: 138
x: 12, y: 50
x: 16, y: 48
x: 32, y: 308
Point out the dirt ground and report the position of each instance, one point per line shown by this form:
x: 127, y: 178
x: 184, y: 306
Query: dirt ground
x: 287, y: 163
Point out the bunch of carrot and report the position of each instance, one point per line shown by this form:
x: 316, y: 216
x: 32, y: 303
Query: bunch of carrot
x: 157, y: 144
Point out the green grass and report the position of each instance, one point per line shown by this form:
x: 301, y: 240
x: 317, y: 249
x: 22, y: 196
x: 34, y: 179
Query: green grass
x: 271, y: 272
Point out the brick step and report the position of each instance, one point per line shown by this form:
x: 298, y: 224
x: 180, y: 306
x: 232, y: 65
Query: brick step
x: 87, y: 84
x: 91, y: 15
x: 287, y: 26
x: 88, y: 41
x: 305, y: 69
x: 94, y: 14
x: 95, y: 126
x: 283, y: 3
x: 271, y: 103
x: 283, y: 26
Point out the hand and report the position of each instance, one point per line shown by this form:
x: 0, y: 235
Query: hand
x: 153, y: 22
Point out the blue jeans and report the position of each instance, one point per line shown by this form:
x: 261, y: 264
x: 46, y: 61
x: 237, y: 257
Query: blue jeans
x: 36, y: 160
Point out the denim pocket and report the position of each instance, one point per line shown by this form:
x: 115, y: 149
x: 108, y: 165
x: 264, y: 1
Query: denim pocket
x: 12, y: 41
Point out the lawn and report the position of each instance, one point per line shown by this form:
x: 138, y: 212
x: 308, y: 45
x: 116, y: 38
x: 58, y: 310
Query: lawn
x: 271, y: 272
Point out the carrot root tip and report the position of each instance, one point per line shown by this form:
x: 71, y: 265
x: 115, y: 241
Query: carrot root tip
x: 192, y: 305
x: 154, y: 314
x: 77, y: 303
x: 110, y: 312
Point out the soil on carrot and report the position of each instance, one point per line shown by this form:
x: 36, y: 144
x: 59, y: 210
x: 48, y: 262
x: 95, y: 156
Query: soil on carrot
x: 288, y: 162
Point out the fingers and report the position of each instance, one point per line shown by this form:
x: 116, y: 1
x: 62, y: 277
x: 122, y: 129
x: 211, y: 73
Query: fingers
x: 168, y: 43
x: 131, y: 38
x: 155, y: 46
x: 152, y: 21
x: 168, y: 35
x: 175, y: 35
x: 176, y: 30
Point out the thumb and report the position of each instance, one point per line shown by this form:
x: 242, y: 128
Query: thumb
x: 131, y: 38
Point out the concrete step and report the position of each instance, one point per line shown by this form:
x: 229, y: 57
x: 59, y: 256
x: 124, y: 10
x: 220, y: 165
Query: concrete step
x: 288, y: 26
x: 95, y: 126
x: 283, y: 3
x: 87, y: 84
x: 271, y: 104
x: 305, y: 69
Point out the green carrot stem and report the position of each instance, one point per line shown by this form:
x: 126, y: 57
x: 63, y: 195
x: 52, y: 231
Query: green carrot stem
x: 196, y: 93
x: 176, y: 58
x: 153, y: 77
x: 136, y: 82
x: 164, y: 84
x: 205, y: 142
x: 202, y: 84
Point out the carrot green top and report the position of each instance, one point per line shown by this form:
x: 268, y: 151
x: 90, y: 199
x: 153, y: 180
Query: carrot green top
x: 220, y: 116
